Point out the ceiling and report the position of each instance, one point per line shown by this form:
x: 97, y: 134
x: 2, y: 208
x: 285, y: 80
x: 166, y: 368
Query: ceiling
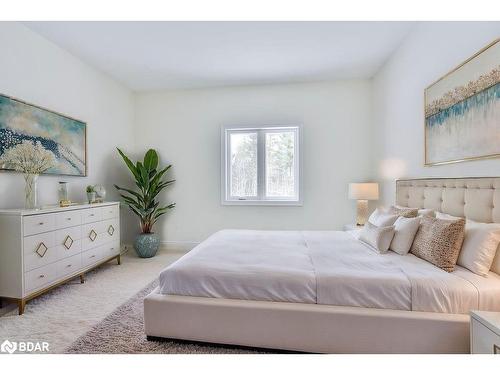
x: 169, y: 55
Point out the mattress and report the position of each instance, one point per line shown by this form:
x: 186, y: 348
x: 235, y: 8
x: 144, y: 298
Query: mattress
x: 323, y: 267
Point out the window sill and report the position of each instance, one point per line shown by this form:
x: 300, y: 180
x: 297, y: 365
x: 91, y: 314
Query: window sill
x: 261, y: 203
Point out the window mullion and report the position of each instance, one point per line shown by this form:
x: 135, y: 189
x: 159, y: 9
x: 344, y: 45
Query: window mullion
x: 261, y: 164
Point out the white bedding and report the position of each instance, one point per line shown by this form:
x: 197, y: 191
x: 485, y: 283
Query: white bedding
x: 331, y: 268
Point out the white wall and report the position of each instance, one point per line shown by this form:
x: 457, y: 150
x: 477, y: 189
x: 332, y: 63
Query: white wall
x: 35, y: 70
x: 429, y: 52
x: 184, y: 126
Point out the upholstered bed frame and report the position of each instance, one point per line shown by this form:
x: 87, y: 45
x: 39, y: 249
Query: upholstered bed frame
x: 335, y: 329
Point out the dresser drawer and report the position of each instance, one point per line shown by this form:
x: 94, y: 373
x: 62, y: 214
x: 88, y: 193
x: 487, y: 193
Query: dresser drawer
x: 93, y: 235
x: 68, y: 219
x: 110, y: 212
x: 65, y: 252
x: 483, y: 339
x: 37, y: 279
x: 69, y: 265
x: 91, y: 215
x: 38, y: 224
x: 111, y: 249
x: 111, y: 230
x: 92, y: 256
x: 74, y: 233
x: 31, y: 243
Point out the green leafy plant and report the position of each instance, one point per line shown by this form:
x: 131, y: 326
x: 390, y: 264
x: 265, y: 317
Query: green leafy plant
x: 149, y: 181
x: 90, y: 189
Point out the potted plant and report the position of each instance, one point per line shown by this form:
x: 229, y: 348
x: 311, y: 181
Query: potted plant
x: 144, y: 201
x: 90, y: 194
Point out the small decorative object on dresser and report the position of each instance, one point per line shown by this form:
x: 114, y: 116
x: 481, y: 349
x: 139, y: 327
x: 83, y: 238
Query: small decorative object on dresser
x: 485, y: 332
x: 90, y: 194
x: 63, y: 194
x: 42, y: 249
x: 144, y: 202
x: 32, y: 159
x: 100, y: 193
x: 363, y: 192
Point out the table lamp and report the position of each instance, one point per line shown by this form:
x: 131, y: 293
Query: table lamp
x: 363, y: 192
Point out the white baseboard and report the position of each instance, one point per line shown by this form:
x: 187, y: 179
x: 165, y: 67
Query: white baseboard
x: 178, y: 246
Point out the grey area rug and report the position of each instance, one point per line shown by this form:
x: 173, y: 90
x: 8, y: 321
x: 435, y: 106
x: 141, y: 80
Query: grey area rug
x: 123, y: 332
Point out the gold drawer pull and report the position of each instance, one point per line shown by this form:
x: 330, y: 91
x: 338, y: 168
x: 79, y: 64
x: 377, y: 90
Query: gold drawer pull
x: 41, y: 276
x: 496, y: 349
x: 41, y: 249
x: 68, y: 242
x: 111, y: 230
x: 92, y: 235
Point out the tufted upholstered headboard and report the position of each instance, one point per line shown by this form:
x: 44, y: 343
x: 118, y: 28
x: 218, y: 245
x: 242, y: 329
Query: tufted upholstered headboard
x: 475, y: 198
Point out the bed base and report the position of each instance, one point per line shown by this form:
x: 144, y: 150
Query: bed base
x: 303, y: 327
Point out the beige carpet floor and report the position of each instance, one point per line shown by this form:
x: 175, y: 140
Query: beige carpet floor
x: 64, y: 314
x: 122, y: 332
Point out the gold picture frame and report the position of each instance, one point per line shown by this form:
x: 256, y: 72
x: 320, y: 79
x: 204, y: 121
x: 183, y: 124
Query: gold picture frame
x: 83, y: 172
x: 458, y: 95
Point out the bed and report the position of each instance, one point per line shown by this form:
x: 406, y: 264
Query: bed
x: 327, y: 292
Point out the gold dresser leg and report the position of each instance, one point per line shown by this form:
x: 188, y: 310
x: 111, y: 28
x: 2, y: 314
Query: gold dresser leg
x: 82, y: 278
x: 21, y: 303
x: 119, y: 259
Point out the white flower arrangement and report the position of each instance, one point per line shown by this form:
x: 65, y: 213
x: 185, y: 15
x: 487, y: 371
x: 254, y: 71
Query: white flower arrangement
x: 28, y: 157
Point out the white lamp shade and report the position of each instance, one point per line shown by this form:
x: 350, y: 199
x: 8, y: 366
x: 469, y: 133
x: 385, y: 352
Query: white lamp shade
x: 366, y: 191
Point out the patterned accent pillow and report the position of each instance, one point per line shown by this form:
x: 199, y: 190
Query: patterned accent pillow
x: 439, y: 241
x: 405, y: 212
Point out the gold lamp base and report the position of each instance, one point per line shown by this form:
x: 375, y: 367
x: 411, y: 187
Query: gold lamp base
x: 361, y: 211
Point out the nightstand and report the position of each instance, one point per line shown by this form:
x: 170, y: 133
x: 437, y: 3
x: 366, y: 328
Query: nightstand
x: 485, y: 332
x: 352, y: 227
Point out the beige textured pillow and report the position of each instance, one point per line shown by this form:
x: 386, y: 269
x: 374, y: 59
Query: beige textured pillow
x: 439, y: 241
x: 379, y: 238
x: 405, y: 212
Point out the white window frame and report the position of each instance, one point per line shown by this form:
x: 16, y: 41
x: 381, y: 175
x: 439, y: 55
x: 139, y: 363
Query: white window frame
x: 260, y: 199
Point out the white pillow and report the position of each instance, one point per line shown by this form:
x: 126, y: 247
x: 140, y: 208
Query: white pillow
x: 480, y: 244
x: 379, y: 238
x: 405, y: 230
x: 381, y: 219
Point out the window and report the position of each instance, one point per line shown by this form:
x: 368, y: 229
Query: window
x: 261, y: 165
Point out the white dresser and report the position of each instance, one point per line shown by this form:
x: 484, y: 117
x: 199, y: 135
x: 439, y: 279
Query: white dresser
x: 41, y: 249
x: 485, y: 332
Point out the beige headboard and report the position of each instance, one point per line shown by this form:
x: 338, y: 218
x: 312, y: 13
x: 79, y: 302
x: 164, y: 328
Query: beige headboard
x: 475, y: 198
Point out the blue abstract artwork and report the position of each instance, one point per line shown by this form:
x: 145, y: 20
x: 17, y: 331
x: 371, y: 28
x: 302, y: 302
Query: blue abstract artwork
x: 462, y: 111
x: 62, y: 135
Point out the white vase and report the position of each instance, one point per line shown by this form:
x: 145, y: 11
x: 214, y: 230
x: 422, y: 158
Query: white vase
x: 30, y: 190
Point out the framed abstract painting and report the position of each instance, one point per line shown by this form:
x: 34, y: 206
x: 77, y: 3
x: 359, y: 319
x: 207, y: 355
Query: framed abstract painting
x: 60, y: 134
x: 462, y: 111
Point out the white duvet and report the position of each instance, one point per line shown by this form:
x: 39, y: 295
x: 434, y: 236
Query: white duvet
x: 331, y: 268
